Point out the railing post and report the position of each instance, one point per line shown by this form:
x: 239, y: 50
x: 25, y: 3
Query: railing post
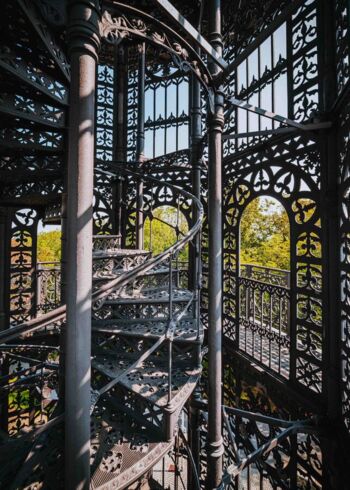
x: 196, y: 138
x: 170, y: 352
x: 39, y: 282
x: 216, y: 123
x: 83, y: 45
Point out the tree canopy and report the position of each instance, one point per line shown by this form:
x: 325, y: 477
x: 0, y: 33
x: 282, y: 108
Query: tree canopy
x: 49, y: 246
x: 163, y: 236
x: 264, y: 234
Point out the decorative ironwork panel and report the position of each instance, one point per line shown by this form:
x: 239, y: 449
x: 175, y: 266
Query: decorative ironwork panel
x: 132, y: 112
x: 280, y: 75
x: 166, y: 111
x: 344, y: 195
x: 243, y: 24
x: 23, y: 264
x: 342, y: 11
x: 103, y: 193
x: 289, y: 171
x: 48, y: 283
x: 104, y: 112
x: 295, y: 462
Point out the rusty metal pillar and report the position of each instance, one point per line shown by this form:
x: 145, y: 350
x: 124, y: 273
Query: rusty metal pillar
x: 216, y: 124
x: 83, y: 42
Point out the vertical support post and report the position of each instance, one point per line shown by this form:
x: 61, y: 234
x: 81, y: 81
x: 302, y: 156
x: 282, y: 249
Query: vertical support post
x: 330, y: 213
x: 335, y: 457
x: 140, y: 143
x: 195, y: 155
x: 5, y: 285
x: 83, y: 42
x: 120, y: 135
x: 216, y: 124
x: 39, y: 281
x: 63, y: 293
x: 33, y: 270
x: 5, y: 264
x: 195, y: 258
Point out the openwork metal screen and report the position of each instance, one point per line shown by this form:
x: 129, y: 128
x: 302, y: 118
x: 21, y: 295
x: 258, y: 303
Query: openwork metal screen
x: 286, y: 333
x: 23, y: 264
x: 166, y: 112
x: 343, y: 11
x: 281, y: 75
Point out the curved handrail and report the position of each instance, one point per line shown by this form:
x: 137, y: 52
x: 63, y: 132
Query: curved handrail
x: 58, y: 314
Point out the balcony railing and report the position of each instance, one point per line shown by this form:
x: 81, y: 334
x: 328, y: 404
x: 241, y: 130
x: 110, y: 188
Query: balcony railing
x: 264, y: 296
x: 48, y: 281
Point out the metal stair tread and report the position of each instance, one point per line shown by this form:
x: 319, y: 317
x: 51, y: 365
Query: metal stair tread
x: 159, y: 271
x: 151, y: 296
x: 120, y: 252
x: 186, y: 329
x: 150, y: 381
x: 121, y: 451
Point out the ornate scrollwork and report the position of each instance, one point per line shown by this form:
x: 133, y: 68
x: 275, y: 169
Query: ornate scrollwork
x: 126, y: 22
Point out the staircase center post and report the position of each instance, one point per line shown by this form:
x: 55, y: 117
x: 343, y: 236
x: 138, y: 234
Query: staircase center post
x: 83, y: 39
x: 216, y: 124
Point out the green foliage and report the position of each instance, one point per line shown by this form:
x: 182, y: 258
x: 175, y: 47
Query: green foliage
x: 163, y: 236
x: 49, y: 246
x: 264, y: 234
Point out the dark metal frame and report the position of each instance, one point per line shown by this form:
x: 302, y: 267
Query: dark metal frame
x: 301, y: 158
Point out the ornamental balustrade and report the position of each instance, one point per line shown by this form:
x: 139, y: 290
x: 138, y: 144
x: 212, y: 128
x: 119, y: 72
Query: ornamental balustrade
x: 264, y: 316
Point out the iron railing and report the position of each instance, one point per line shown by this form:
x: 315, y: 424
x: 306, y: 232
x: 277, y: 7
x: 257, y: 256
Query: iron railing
x: 48, y: 284
x: 264, y: 316
x: 48, y: 275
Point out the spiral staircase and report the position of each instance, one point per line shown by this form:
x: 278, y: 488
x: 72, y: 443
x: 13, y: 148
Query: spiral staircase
x: 146, y: 362
x: 147, y: 336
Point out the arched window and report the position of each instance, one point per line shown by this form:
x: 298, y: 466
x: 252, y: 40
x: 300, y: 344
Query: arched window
x: 264, y: 283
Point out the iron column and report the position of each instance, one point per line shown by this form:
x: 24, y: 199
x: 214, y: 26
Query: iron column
x: 83, y: 41
x: 195, y: 258
x: 120, y: 134
x: 5, y: 289
x: 335, y: 457
x: 216, y: 124
x: 140, y: 143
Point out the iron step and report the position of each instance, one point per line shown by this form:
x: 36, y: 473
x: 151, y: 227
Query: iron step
x: 186, y: 329
x: 150, y: 296
x: 153, y: 272
x: 150, y: 379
